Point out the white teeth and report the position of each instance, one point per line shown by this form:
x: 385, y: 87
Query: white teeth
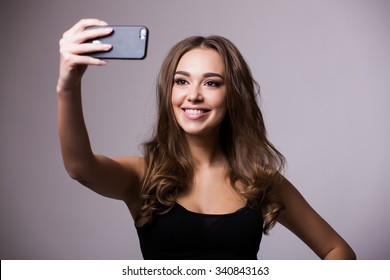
x: 194, y: 111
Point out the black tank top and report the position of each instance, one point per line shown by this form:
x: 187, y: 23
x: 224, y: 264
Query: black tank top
x: 181, y: 234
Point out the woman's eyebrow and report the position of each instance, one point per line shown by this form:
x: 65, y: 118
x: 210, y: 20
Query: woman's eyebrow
x: 210, y: 74
x: 184, y: 73
x: 206, y: 75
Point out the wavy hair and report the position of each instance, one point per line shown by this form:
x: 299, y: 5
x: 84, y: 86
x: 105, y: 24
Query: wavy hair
x: 254, y: 163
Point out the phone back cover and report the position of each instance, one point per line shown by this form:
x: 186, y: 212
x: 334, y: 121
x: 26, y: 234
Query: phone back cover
x: 128, y: 42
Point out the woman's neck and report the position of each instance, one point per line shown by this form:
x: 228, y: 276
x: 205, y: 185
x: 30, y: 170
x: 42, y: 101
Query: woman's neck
x: 206, y: 150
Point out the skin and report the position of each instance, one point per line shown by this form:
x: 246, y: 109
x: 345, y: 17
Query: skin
x: 199, y: 84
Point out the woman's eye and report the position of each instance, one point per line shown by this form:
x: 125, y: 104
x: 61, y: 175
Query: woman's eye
x: 180, y: 82
x: 213, y: 83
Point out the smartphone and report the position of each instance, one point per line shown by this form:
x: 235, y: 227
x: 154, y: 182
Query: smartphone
x: 128, y: 42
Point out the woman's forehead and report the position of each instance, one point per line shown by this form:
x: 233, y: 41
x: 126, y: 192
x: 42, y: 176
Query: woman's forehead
x: 201, y: 60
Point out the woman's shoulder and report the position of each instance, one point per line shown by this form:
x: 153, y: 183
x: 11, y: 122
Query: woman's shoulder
x: 135, y: 167
x: 135, y: 164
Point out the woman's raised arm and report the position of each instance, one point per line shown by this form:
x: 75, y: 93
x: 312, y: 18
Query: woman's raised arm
x: 116, y: 178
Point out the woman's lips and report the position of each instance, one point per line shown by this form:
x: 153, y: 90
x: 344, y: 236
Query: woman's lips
x: 194, y: 113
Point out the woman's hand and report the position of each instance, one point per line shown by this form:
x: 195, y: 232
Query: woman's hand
x: 73, y: 61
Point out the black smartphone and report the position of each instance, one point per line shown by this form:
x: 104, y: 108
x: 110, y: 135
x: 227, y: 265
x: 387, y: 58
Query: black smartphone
x: 128, y: 42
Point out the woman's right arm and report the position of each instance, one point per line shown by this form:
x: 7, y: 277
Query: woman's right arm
x: 116, y: 178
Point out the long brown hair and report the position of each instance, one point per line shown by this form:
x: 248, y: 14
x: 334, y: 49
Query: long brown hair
x: 254, y: 162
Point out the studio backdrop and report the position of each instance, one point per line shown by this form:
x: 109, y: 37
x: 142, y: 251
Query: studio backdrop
x: 323, y: 68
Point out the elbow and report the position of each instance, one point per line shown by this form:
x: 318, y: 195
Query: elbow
x: 349, y: 253
x: 79, y: 168
x: 74, y: 173
x: 77, y: 172
x: 352, y: 255
x: 341, y: 253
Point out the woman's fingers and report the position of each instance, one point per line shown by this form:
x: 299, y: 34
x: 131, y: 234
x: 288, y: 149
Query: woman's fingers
x: 72, y: 54
x: 71, y: 60
x: 82, y: 25
x: 73, y: 46
x: 83, y: 48
x: 74, y: 42
x: 87, y: 34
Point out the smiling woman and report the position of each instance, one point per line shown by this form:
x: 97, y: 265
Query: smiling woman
x: 199, y: 92
x: 210, y: 183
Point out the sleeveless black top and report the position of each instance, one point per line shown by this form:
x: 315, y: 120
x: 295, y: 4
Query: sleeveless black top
x: 181, y: 234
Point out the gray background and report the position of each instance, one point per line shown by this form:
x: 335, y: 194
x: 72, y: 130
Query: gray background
x: 324, y: 69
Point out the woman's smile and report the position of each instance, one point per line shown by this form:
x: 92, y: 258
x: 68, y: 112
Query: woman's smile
x: 195, y: 113
x: 199, y: 92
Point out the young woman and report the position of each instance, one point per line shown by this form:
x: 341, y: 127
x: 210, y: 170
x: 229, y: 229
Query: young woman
x: 209, y: 184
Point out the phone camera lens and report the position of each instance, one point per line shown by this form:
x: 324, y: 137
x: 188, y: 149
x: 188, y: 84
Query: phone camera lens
x: 143, y: 33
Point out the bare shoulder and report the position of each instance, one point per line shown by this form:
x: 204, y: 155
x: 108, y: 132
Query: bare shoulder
x: 300, y: 218
x: 134, y: 167
x: 134, y: 164
x: 297, y: 211
x: 118, y: 177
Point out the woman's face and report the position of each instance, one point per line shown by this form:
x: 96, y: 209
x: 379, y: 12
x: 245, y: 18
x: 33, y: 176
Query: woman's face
x: 199, y: 92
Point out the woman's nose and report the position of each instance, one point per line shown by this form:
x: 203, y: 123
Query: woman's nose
x: 195, y: 95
